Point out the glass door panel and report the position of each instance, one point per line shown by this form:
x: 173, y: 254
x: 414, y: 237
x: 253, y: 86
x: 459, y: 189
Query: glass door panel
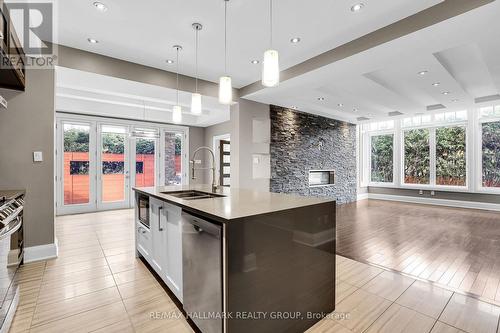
x: 145, y: 162
x: 75, y: 167
x: 113, y: 166
x: 173, y: 158
x: 76, y: 164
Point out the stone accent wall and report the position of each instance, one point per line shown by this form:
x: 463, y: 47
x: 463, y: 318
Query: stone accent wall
x: 301, y: 142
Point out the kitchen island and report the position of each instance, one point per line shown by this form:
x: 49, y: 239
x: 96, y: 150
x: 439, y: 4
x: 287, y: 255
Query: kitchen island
x: 241, y: 260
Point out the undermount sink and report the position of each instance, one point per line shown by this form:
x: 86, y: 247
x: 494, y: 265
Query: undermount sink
x: 193, y: 195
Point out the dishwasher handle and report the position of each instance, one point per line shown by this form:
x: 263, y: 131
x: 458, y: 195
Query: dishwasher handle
x: 202, y: 226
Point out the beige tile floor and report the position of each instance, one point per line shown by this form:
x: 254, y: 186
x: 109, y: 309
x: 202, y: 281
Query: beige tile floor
x: 97, y: 285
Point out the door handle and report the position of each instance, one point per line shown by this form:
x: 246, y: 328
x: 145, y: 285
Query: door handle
x: 159, y: 218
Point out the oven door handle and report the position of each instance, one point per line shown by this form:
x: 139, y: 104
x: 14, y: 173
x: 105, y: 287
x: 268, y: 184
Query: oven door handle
x: 17, y: 225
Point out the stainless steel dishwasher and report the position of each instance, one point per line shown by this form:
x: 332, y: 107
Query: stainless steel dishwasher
x: 202, y: 272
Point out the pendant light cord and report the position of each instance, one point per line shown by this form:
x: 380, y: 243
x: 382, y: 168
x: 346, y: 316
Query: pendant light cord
x: 196, y: 88
x: 271, y: 23
x: 177, y: 76
x: 225, y: 37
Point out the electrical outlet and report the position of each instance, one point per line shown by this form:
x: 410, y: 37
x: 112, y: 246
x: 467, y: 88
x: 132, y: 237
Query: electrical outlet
x: 421, y: 192
x: 433, y: 193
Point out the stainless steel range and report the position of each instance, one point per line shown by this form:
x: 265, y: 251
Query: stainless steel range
x: 11, y: 253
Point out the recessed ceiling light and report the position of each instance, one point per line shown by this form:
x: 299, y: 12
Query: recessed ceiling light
x: 295, y: 40
x: 355, y: 110
x: 454, y: 100
x: 435, y: 84
x: 357, y: 7
x: 446, y: 92
x: 423, y: 72
x: 321, y: 98
x: 92, y: 40
x: 340, y: 105
x: 169, y: 61
x: 100, y: 6
x: 294, y: 107
x: 255, y: 62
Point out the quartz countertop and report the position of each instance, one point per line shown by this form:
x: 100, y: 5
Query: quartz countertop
x: 237, y: 203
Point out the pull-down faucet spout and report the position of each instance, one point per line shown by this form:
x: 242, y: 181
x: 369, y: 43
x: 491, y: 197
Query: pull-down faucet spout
x: 193, y: 168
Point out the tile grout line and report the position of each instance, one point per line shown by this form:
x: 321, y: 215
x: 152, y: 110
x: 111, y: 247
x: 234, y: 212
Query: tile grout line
x: 116, y: 285
x: 79, y: 313
x: 37, y: 296
x: 393, y: 302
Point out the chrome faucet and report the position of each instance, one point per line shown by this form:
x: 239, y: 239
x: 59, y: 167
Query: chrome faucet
x: 214, y: 181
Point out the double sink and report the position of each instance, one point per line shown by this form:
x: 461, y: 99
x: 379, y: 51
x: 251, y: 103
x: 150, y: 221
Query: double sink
x: 193, y: 195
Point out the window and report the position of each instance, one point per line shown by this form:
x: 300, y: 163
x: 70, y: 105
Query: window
x: 451, y: 166
x: 173, y: 158
x: 112, y: 167
x: 491, y: 154
x: 139, y: 168
x: 78, y: 167
x: 417, y: 167
x: 417, y: 121
x: 382, y: 158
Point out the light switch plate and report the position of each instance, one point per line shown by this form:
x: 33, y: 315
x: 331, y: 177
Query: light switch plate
x: 37, y: 156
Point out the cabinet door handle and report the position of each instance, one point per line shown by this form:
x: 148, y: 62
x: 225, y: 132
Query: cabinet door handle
x: 159, y: 218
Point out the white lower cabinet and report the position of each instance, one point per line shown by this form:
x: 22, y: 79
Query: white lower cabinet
x: 174, y: 249
x: 144, y: 242
x: 166, y: 251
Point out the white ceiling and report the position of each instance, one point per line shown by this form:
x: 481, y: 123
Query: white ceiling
x: 144, y: 31
x: 461, y: 53
x: 93, y: 94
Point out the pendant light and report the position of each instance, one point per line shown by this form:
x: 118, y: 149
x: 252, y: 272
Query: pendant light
x: 177, y: 110
x: 196, y: 97
x: 270, y: 65
x: 225, y: 85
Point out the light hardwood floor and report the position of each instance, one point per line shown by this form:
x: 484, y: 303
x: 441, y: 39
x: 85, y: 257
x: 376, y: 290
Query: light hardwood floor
x: 97, y: 285
x: 456, y: 248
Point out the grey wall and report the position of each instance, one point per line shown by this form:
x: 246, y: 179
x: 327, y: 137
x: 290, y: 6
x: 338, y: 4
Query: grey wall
x: 196, y: 139
x: 244, y: 146
x: 218, y: 129
x: 296, y: 138
x: 460, y: 196
x: 27, y: 126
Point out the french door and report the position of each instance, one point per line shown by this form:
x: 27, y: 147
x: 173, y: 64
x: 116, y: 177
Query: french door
x: 98, y: 162
x: 113, y: 155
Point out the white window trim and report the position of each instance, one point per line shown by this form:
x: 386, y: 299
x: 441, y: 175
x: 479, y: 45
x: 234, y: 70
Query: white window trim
x: 433, y: 159
x: 394, y: 160
x: 479, y: 156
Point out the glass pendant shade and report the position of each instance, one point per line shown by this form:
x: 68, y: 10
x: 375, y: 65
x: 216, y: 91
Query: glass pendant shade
x: 196, y: 104
x: 271, y: 69
x: 225, y: 90
x: 177, y: 114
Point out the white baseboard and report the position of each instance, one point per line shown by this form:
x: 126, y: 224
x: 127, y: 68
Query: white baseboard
x: 437, y: 202
x: 362, y: 196
x: 40, y: 252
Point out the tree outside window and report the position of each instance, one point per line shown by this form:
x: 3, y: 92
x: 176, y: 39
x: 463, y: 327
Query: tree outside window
x: 417, y: 166
x: 451, y: 166
x: 382, y: 158
x: 491, y: 154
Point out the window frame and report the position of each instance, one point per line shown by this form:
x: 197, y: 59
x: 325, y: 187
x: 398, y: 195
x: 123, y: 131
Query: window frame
x: 394, y: 160
x: 479, y: 155
x: 433, y: 158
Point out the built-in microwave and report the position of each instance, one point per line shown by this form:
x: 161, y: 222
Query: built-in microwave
x: 143, y: 209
